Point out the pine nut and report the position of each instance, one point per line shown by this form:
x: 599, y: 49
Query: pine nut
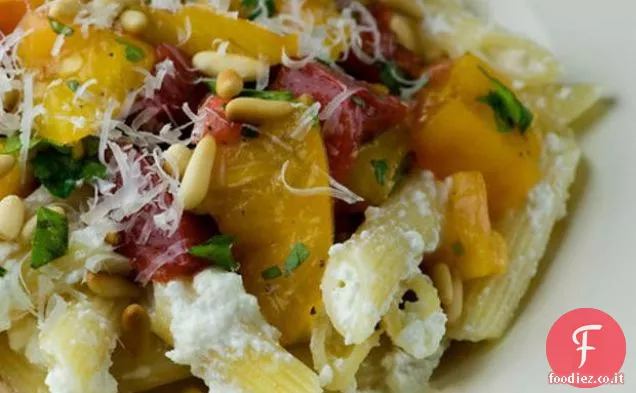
x: 177, y: 158
x: 71, y: 65
x: 29, y: 228
x: 7, y: 162
x: 64, y: 8
x: 404, y: 31
x: 443, y: 281
x: 135, y: 329
x: 408, y: 7
x: 11, y: 217
x: 112, y: 238
x: 380, y: 88
x: 196, y: 178
x: 111, y: 287
x: 212, y: 63
x: 454, y: 309
x: 133, y: 21
x: 228, y: 84
x: 256, y: 110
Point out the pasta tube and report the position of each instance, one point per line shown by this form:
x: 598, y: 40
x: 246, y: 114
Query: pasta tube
x: 218, y: 331
x: 490, y: 303
x: 336, y: 362
x: 561, y: 103
x: 415, y: 322
x: 363, y: 274
x: 77, y: 339
x: 17, y: 374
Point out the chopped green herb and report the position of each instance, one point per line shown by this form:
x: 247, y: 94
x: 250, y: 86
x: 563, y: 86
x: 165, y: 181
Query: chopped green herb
x: 73, y: 85
x: 12, y: 144
x: 268, y: 94
x: 211, y: 85
x: 56, y: 169
x: 509, y: 112
x: 91, y: 144
x: 3, y: 272
x: 389, y: 74
x: 271, y: 273
x: 380, y: 170
x: 60, y: 28
x: 217, y: 250
x: 133, y: 53
x: 401, y: 171
x: 298, y: 254
x: 50, y: 240
x: 249, y: 132
x: 458, y: 248
x: 359, y: 101
x: 257, y: 9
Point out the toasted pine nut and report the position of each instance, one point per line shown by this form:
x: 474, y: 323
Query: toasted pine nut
x: 177, y: 158
x: 380, y: 88
x: 29, y: 228
x: 212, y: 63
x: 404, y: 31
x: 135, y: 329
x: 454, y: 309
x: 133, y: 21
x: 228, y: 84
x: 112, y: 238
x: 256, y: 110
x: 111, y: 287
x: 443, y: 281
x: 11, y: 217
x: 7, y: 162
x: 196, y: 178
x: 306, y: 99
x: 71, y: 65
x: 408, y: 7
x: 64, y: 8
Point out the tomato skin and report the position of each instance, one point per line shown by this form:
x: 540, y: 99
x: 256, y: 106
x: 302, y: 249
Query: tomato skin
x: 216, y: 123
x: 177, y: 89
x: 390, y: 49
x: 354, y: 122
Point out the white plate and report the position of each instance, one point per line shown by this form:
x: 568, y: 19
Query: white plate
x: 592, y: 257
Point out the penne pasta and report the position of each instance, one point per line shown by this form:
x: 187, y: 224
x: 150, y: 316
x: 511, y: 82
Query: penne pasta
x: 219, y: 332
x: 77, y: 339
x: 490, y: 303
x: 336, y: 362
x: 364, y: 274
x: 17, y: 374
x: 415, y: 322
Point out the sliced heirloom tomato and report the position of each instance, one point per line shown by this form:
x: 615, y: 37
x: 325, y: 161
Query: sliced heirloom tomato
x: 272, y: 223
x: 455, y: 129
x: 11, y: 11
x: 107, y: 63
x: 356, y: 120
x: 217, y: 124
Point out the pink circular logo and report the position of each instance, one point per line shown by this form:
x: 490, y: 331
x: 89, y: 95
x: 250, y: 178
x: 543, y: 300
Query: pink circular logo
x: 586, y: 348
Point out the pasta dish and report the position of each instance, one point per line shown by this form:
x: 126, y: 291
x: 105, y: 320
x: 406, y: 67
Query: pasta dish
x: 254, y: 196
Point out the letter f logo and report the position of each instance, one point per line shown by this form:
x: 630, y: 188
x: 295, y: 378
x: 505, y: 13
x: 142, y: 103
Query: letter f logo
x: 583, y: 344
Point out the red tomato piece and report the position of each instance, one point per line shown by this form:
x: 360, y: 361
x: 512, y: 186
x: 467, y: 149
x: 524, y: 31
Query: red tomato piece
x: 217, y: 124
x: 390, y: 49
x: 355, y: 121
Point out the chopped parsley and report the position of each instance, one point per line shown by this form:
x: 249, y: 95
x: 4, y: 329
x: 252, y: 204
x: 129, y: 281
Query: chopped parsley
x: 60, y: 28
x: 50, y: 240
x: 298, y: 254
x: 380, y: 170
x: 60, y: 173
x: 271, y: 273
x: 458, y: 249
x: 3, y: 272
x: 359, y: 101
x: 255, y: 7
x: 401, y: 171
x: 249, y: 132
x: 217, y: 250
x: 73, y: 85
x: 133, y: 53
x: 509, y: 112
x: 275, y: 95
x: 12, y: 144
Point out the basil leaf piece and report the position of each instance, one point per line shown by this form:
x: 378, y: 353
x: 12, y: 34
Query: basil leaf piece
x: 380, y: 170
x: 298, y: 254
x: 271, y: 273
x: 274, y: 95
x: 13, y: 144
x: 217, y: 250
x: 257, y: 9
x: 3, y: 272
x: 60, y: 28
x: 50, y: 240
x: 509, y: 112
x: 73, y: 85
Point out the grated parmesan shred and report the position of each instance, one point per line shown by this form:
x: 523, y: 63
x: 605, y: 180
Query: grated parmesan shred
x: 336, y: 190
